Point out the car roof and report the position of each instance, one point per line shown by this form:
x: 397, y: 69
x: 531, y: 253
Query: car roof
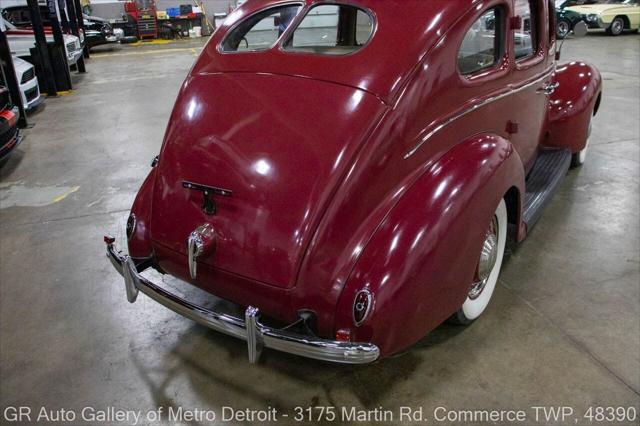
x: 405, y: 31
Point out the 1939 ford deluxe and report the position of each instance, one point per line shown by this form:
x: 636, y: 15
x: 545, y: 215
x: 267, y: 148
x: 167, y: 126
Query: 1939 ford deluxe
x: 352, y: 168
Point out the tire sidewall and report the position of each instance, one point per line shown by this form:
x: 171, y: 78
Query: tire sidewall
x: 580, y: 157
x: 472, y: 308
x: 612, y: 27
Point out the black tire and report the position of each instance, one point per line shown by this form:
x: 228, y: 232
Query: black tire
x: 563, y: 28
x: 617, y: 26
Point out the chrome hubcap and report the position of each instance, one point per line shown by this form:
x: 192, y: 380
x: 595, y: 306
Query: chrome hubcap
x: 563, y: 29
x: 617, y: 26
x: 488, y: 259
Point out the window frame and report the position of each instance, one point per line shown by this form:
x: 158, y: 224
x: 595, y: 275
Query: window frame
x: 287, y: 36
x: 500, y: 12
x: 553, y: 23
x: 536, y: 34
x: 235, y: 26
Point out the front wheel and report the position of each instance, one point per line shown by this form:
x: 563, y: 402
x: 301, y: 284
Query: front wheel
x: 617, y: 27
x: 488, y: 269
x: 563, y: 28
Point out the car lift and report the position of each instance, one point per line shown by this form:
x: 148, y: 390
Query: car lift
x: 42, y: 49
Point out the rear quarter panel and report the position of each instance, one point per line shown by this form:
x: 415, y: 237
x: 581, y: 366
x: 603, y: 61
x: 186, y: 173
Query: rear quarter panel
x: 572, y: 105
x: 422, y: 259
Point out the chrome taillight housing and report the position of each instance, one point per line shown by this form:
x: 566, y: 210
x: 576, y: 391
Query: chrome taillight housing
x: 131, y: 225
x: 362, y: 305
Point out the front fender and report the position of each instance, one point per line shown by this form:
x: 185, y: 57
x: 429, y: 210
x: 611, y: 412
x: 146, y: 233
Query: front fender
x: 572, y: 105
x: 421, y: 261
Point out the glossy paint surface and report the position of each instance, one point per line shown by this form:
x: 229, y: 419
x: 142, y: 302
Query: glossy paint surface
x: 573, y: 104
x: 358, y: 171
x: 281, y: 144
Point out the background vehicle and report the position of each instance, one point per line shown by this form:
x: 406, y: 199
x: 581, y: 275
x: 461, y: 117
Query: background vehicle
x: 561, y: 4
x: 9, y: 134
x: 566, y: 20
x: 20, y: 17
x: 27, y: 82
x: 614, y: 16
x: 97, y: 31
x: 22, y: 40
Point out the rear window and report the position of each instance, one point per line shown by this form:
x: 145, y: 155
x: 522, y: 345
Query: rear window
x: 332, y: 30
x: 260, y: 31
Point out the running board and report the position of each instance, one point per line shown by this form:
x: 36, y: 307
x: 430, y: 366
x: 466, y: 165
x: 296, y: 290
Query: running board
x: 543, y: 181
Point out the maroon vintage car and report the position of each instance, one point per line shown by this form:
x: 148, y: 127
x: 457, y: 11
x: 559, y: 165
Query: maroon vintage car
x: 352, y: 168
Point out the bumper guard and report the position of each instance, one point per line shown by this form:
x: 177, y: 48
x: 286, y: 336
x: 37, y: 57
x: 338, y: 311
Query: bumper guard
x: 256, y: 335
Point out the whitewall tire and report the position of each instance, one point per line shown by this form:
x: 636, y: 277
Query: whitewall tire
x: 579, y: 158
x: 488, y: 269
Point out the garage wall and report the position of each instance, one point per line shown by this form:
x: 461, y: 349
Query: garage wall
x: 112, y: 9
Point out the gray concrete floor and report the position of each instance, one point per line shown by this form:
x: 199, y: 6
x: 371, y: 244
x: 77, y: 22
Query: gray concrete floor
x: 563, y: 328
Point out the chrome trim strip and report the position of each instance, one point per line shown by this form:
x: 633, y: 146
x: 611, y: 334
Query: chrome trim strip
x: 250, y: 329
x: 480, y: 104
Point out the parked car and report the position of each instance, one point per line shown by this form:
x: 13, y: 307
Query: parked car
x: 9, y: 135
x: 561, y: 4
x: 20, y: 17
x: 27, y: 82
x: 97, y: 31
x: 566, y: 20
x: 614, y: 16
x: 21, y: 41
x: 360, y: 200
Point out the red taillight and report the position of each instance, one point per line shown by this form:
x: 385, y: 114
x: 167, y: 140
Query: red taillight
x: 11, y: 118
x: 343, y: 335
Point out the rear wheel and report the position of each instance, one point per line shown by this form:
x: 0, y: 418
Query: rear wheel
x: 617, y: 26
x: 488, y: 269
x: 563, y: 28
x: 579, y: 158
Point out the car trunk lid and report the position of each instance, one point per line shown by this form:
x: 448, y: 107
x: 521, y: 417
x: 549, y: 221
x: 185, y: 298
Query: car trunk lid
x: 280, y: 144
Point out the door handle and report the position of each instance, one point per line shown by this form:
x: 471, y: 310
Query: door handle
x: 549, y: 88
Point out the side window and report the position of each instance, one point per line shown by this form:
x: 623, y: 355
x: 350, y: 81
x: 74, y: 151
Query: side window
x: 260, y: 31
x: 525, y: 37
x: 332, y: 30
x: 482, y: 45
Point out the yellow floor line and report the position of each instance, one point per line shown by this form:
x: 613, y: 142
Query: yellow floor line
x: 63, y: 196
x: 156, y: 41
x: 145, y: 52
x: 62, y: 93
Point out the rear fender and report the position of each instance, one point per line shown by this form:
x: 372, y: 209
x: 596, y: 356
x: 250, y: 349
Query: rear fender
x: 420, y: 262
x: 572, y: 105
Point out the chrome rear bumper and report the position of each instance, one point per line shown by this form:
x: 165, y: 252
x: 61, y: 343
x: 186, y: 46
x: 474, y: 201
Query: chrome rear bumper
x: 249, y: 329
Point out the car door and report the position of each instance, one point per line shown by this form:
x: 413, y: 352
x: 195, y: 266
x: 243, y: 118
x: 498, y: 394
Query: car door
x: 634, y: 14
x: 532, y: 80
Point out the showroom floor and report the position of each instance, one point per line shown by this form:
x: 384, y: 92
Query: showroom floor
x: 563, y: 328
